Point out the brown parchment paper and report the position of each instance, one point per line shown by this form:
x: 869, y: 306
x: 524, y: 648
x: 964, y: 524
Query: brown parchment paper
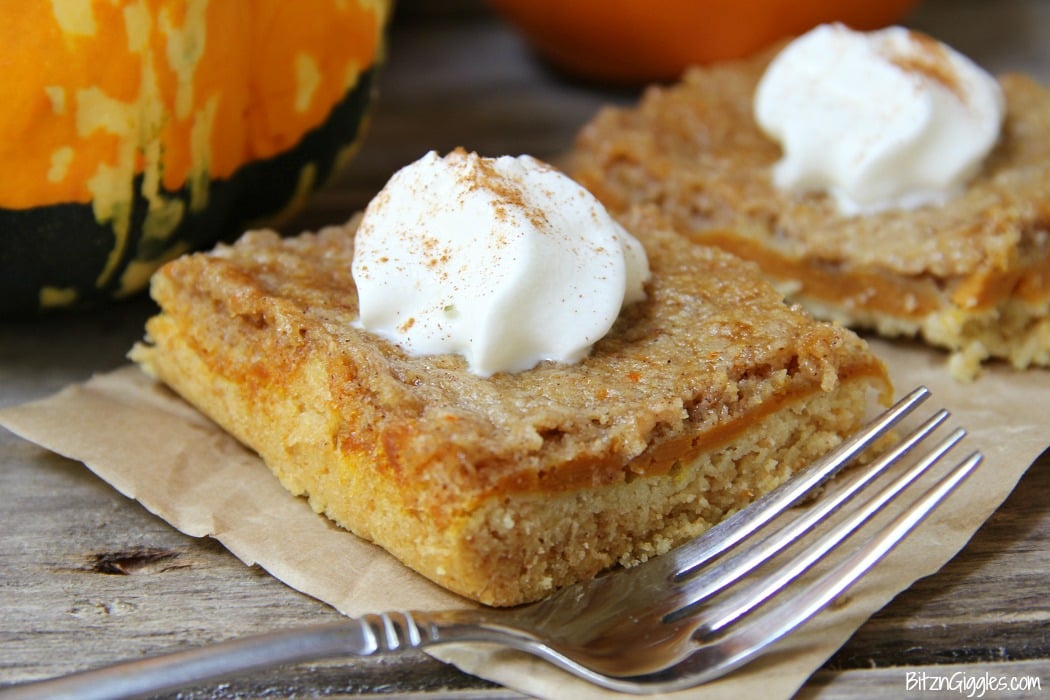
x: 152, y: 447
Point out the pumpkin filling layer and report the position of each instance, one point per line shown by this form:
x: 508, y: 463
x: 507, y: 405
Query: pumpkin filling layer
x: 707, y: 393
x: 878, y: 292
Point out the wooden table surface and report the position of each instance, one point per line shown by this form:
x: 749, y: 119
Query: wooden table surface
x: 88, y: 577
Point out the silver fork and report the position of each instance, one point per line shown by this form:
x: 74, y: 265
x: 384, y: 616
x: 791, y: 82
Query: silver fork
x: 676, y: 621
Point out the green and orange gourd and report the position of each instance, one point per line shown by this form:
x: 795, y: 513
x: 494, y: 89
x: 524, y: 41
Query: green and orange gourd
x: 132, y: 131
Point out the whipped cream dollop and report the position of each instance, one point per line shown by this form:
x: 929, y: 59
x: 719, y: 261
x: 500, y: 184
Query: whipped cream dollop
x: 890, y: 119
x: 506, y: 261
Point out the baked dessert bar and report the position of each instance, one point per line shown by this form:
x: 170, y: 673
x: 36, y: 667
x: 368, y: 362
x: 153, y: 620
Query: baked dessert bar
x: 706, y: 394
x: 972, y: 276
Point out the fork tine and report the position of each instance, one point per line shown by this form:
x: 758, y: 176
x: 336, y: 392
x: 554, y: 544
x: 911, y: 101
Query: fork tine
x: 735, y: 566
x: 742, y: 524
x: 754, y: 634
x: 741, y: 602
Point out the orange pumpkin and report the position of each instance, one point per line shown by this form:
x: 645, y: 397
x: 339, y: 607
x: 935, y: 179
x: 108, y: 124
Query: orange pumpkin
x: 635, y: 41
x: 134, y: 130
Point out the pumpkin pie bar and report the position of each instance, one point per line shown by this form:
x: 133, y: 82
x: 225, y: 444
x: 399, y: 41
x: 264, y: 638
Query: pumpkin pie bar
x: 706, y: 394
x: 971, y: 276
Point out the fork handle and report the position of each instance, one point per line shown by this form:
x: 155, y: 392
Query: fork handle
x: 367, y: 635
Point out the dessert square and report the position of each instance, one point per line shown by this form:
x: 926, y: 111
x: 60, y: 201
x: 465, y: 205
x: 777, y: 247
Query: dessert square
x: 706, y: 394
x: 971, y: 276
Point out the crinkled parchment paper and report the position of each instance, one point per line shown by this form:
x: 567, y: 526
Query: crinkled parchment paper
x: 152, y: 447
